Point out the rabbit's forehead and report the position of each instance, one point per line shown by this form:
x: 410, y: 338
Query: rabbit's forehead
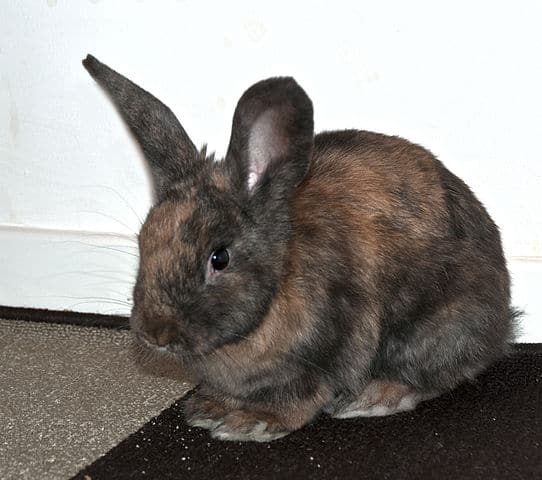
x: 164, y: 222
x: 164, y: 243
x: 181, y: 227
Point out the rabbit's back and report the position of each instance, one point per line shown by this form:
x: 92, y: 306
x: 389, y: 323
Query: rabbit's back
x: 386, y: 194
x: 366, y: 198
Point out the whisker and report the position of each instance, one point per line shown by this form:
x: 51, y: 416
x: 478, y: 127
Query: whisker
x: 91, y: 299
x: 110, y: 311
x: 69, y: 307
x: 95, y: 273
x: 113, y: 249
x: 131, y: 238
x: 118, y: 293
x: 127, y: 227
x: 110, y: 282
x: 119, y: 195
x: 107, y: 187
x: 105, y: 247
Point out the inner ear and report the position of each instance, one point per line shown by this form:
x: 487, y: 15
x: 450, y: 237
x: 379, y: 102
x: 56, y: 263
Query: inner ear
x: 267, y: 141
x: 272, y: 135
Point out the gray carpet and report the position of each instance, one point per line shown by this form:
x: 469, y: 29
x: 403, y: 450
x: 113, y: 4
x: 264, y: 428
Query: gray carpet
x: 69, y: 394
x: 74, y: 403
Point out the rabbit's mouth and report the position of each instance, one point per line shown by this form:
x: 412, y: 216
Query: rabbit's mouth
x: 142, y: 338
x: 173, y: 349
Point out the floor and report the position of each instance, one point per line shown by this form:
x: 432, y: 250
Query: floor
x: 69, y: 394
x: 78, y: 402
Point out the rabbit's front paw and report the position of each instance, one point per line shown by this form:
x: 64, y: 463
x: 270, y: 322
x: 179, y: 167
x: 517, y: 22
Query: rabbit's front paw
x: 204, y: 412
x: 249, y: 426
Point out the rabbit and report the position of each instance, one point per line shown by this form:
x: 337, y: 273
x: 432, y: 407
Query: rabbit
x: 346, y: 273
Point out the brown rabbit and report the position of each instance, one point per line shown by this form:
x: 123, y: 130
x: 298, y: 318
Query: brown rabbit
x: 347, y: 272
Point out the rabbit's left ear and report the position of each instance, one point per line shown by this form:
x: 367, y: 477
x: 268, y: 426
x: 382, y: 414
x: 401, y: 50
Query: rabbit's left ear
x: 272, y: 136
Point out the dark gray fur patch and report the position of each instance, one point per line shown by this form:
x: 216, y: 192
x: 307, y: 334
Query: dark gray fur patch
x: 442, y: 313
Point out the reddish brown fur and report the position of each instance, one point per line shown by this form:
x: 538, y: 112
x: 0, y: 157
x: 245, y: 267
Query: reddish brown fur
x: 367, y: 185
x: 344, y: 258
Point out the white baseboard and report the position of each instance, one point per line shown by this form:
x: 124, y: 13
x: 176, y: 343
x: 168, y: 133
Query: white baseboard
x: 94, y: 272
x: 67, y: 270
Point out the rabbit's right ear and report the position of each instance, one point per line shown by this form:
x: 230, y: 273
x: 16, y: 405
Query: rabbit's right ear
x: 171, y: 154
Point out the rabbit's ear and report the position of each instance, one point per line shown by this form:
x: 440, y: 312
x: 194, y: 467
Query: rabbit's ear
x: 272, y: 136
x: 171, y: 154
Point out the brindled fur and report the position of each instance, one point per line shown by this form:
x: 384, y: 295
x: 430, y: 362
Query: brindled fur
x: 364, y: 276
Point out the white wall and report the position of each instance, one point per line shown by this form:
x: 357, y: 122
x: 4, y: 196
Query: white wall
x: 462, y: 79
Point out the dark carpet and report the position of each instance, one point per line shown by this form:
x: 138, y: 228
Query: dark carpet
x: 64, y: 317
x: 489, y: 429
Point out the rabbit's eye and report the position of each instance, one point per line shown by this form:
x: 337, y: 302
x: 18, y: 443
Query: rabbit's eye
x: 220, y: 259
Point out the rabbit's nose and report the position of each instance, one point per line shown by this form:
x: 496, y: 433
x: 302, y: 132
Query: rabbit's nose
x: 160, y: 338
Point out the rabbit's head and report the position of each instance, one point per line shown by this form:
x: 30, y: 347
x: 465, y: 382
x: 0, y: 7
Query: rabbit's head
x: 214, y: 245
